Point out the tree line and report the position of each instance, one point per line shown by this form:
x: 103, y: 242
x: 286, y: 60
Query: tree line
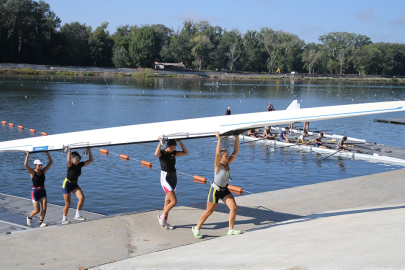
x: 30, y: 32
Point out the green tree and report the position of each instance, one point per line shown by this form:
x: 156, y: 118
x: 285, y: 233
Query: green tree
x: 145, y: 46
x: 27, y: 29
x: 101, y: 46
x: 121, y: 57
x: 337, y: 45
x: 181, y: 45
x: 311, y: 56
x: 200, y: 49
x: 366, y: 59
x: 76, y: 48
x: 230, y: 50
x: 252, y: 56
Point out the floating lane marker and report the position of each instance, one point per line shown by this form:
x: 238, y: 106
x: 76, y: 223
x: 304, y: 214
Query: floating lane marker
x: 200, y: 179
x: 4, y: 122
x: 146, y: 164
x: 32, y: 130
x: 11, y: 124
x: 44, y: 134
x: 20, y: 127
x: 236, y: 190
x: 104, y: 151
x: 122, y: 156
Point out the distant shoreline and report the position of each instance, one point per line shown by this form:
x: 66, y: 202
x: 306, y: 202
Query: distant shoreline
x: 30, y: 69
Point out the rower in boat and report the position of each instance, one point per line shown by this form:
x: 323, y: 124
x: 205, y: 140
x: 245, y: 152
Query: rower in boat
x: 341, y: 144
x: 318, y: 141
x: 228, y: 111
x: 283, y: 136
x: 301, y: 140
x: 267, y: 134
x: 253, y: 133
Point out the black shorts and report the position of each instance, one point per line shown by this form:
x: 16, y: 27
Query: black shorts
x: 168, y: 181
x: 214, y: 195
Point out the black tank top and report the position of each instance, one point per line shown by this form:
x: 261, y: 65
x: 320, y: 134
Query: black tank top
x: 74, y: 171
x: 168, y: 161
x: 38, y: 180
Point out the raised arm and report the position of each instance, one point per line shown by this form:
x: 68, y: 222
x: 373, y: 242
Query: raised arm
x: 90, y: 156
x: 157, y: 151
x: 217, y: 162
x: 235, y: 150
x: 50, y: 162
x: 69, y: 157
x: 183, y: 151
x: 29, y: 169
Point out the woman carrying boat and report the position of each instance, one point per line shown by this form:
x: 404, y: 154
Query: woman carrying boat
x: 168, y: 176
x: 219, y: 188
x: 38, y: 192
x: 74, y: 170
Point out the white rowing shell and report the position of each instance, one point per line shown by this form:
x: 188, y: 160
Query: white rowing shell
x: 194, y: 128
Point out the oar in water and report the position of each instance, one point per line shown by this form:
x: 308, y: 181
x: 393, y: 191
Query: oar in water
x: 332, y: 154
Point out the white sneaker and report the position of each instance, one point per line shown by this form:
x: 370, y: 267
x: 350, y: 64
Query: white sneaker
x: 65, y: 221
x: 80, y: 218
x: 168, y: 226
x: 43, y: 224
x: 29, y: 221
x: 161, y: 221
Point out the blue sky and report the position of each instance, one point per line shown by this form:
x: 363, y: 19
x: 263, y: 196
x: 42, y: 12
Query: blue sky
x: 382, y: 21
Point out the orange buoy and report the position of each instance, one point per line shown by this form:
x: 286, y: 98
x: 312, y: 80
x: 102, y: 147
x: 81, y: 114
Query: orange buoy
x: 32, y: 130
x: 104, y: 151
x: 4, y: 122
x: 20, y: 127
x: 145, y: 163
x: 11, y: 124
x: 124, y: 157
x: 44, y: 134
x: 200, y: 179
x: 236, y: 190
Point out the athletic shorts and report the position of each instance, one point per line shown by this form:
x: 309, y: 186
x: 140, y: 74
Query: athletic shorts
x: 214, y: 195
x: 168, y: 180
x: 317, y: 144
x: 68, y: 186
x: 37, y: 193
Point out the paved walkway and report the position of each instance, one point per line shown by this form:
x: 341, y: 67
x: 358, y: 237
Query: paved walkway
x: 116, y: 238
x: 366, y: 238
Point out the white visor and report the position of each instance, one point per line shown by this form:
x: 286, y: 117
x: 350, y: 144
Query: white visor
x: 37, y: 162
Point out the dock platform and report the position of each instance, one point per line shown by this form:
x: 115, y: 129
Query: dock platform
x: 391, y: 120
x: 14, y: 211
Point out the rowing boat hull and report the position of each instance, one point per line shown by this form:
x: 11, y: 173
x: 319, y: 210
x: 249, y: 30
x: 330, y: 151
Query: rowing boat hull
x: 193, y: 128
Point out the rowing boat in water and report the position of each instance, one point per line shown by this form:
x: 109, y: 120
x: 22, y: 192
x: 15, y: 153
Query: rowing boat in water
x: 372, y: 154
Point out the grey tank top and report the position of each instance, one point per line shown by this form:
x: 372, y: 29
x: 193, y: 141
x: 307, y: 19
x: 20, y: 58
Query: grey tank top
x: 221, y: 178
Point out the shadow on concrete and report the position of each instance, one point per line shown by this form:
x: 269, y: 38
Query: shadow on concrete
x: 332, y: 214
x: 256, y: 216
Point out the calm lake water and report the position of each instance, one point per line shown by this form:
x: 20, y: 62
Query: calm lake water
x: 111, y: 186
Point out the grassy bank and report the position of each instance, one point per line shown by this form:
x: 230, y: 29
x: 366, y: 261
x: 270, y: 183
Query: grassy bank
x: 150, y: 73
